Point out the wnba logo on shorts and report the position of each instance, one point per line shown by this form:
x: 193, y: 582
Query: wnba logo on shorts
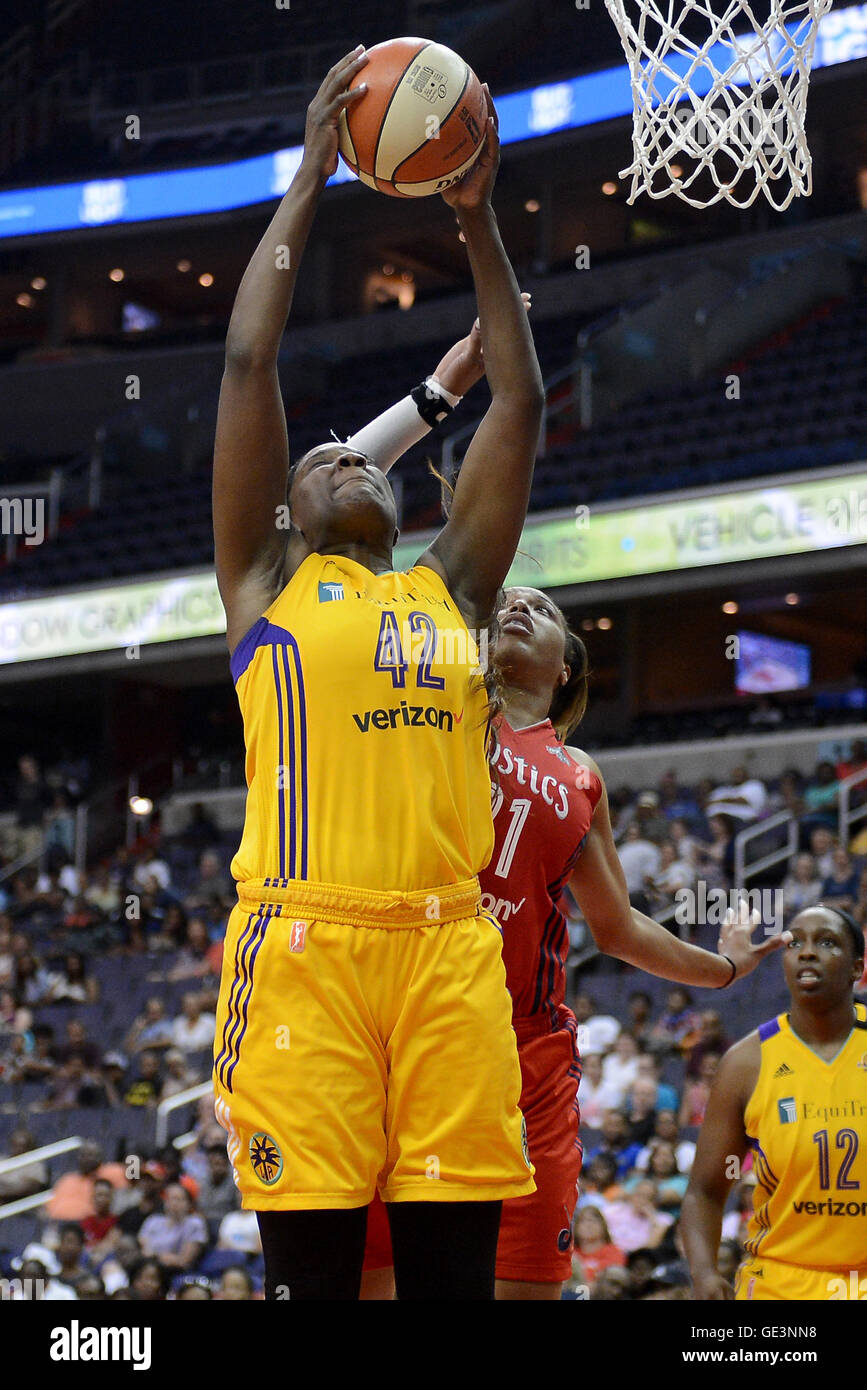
x: 297, y: 936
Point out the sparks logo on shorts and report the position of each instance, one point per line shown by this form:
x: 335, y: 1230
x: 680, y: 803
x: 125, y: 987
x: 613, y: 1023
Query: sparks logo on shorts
x: 330, y: 593
x: 787, y: 1110
x: 266, y: 1158
x: 297, y: 936
x: 525, y: 1147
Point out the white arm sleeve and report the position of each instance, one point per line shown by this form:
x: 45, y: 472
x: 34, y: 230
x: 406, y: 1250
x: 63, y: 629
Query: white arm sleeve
x: 389, y: 436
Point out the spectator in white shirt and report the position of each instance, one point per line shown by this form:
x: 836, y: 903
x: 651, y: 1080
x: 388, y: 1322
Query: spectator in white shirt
x: 239, y: 1231
x: 152, y: 867
x: 745, y: 800
x: 620, y: 1067
x: 193, y: 1029
x: 640, y: 860
x: 596, y: 1032
x: 673, y: 875
x: 595, y: 1095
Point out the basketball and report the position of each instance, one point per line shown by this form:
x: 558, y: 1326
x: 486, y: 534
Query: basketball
x: 421, y: 123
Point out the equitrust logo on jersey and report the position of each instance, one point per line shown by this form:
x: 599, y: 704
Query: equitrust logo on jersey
x: 77, y: 1343
x: 787, y: 1110
x: 330, y: 593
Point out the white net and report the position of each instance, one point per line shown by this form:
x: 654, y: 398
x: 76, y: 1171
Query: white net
x: 720, y: 98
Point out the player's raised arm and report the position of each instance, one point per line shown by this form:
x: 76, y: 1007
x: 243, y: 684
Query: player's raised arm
x: 619, y: 930
x: 251, y: 455
x: 722, y: 1144
x: 389, y: 436
x: 475, y: 549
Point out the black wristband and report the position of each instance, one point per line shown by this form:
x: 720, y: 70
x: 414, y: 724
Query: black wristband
x: 732, y: 975
x: 432, y: 407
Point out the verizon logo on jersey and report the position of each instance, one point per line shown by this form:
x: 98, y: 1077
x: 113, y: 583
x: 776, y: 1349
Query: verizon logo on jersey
x: 412, y: 716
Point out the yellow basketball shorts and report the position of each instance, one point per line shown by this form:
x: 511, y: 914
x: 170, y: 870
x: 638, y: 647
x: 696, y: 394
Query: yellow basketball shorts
x: 765, y: 1281
x: 364, y: 1040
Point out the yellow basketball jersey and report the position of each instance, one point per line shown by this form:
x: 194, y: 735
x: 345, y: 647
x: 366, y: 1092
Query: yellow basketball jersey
x: 807, y: 1124
x: 365, y: 721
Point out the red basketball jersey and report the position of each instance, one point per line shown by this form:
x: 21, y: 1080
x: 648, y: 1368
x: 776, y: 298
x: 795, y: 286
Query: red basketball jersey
x: 543, y: 803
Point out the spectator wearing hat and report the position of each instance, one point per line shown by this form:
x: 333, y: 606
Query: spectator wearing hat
x: 651, y: 820
x: 113, y: 1074
x: 194, y: 1288
x: 179, y: 1077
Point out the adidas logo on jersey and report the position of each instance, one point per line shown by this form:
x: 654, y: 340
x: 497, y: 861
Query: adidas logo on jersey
x: 783, y: 1070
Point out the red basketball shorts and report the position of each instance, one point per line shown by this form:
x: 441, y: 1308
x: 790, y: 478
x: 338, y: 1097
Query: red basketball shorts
x: 536, y: 1231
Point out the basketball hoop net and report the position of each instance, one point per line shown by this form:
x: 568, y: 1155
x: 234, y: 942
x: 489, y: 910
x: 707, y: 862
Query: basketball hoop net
x: 721, y: 96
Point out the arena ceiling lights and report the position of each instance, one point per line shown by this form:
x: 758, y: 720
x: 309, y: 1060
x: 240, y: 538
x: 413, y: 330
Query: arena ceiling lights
x: 526, y: 115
